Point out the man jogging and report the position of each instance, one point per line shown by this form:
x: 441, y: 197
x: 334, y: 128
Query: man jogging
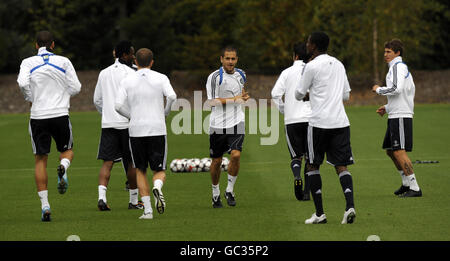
x: 48, y: 81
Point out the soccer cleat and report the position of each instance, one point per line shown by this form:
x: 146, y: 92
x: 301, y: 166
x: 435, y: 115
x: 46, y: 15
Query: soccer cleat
x: 230, y: 199
x: 160, y: 204
x: 298, y: 189
x: 401, y: 190
x: 146, y: 216
x: 316, y: 220
x: 412, y: 193
x: 102, y: 206
x: 62, y: 179
x: 216, y: 202
x: 349, y: 216
x: 139, y: 205
x: 45, y: 216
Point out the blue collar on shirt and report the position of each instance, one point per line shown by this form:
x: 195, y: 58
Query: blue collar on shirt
x: 46, y: 57
x: 396, y: 61
x: 237, y: 70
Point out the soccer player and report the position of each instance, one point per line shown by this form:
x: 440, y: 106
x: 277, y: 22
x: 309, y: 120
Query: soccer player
x: 48, y: 81
x: 113, y: 145
x: 141, y: 99
x: 398, y: 140
x: 329, y: 128
x: 296, y: 116
x: 225, y: 91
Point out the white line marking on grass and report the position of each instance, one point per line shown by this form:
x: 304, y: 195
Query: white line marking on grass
x: 32, y: 169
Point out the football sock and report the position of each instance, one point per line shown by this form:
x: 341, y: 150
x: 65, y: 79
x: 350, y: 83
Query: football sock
x: 102, y: 193
x: 405, y: 180
x: 413, y: 182
x: 215, y: 190
x: 296, y: 167
x: 147, y: 204
x: 316, y: 189
x: 134, y: 196
x: 158, y: 184
x: 231, y: 182
x: 307, y: 188
x: 43, y: 196
x: 65, y: 162
x: 347, y: 187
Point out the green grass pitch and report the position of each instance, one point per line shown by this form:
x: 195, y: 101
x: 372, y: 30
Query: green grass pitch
x: 266, y: 207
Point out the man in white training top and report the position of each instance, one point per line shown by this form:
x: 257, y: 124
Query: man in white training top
x: 48, y: 81
x: 296, y: 117
x: 329, y: 128
x: 141, y: 99
x: 398, y: 140
x: 226, y: 94
x: 113, y: 146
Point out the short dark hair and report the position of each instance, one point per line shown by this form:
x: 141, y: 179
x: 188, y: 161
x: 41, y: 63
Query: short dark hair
x: 321, y: 40
x: 395, y: 45
x: 44, y: 38
x: 123, y: 47
x: 144, y: 56
x: 228, y: 48
x: 300, y: 51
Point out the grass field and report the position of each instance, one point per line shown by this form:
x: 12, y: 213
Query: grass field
x: 266, y: 207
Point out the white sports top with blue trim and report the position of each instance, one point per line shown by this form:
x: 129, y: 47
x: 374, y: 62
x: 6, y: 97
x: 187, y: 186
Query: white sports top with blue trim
x: 105, y: 94
x: 221, y: 84
x: 48, y: 81
x: 400, y: 90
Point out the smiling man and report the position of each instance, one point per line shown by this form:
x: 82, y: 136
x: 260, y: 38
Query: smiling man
x: 225, y: 90
x: 400, y: 92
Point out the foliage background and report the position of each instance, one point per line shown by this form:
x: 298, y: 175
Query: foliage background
x: 188, y: 34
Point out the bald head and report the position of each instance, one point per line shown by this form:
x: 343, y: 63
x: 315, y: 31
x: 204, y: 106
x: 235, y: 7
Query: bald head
x: 144, y: 57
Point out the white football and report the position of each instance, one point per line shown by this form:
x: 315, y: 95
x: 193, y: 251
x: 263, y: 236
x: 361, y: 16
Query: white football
x: 189, y: 165
x: 207, y: 166
x: 179, y: 165
x: 173, y: 165
x: 224, y: 165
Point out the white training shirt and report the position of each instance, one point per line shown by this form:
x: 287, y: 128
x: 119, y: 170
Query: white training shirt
x: 294, y: 111
x: 221, y: 84
x: 400, y: 90
x: 141, y: 98
x: 48, y: 85
x: 326, y: 80
x: 105, y: 94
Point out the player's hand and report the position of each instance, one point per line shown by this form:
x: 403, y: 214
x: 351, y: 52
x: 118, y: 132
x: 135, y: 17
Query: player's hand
x: 245, y: 96
x: 306, y: 98
x: 375, y: 87
x: 381, y: 111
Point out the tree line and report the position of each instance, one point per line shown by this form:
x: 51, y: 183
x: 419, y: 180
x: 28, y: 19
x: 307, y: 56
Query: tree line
x: 189, y: 34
